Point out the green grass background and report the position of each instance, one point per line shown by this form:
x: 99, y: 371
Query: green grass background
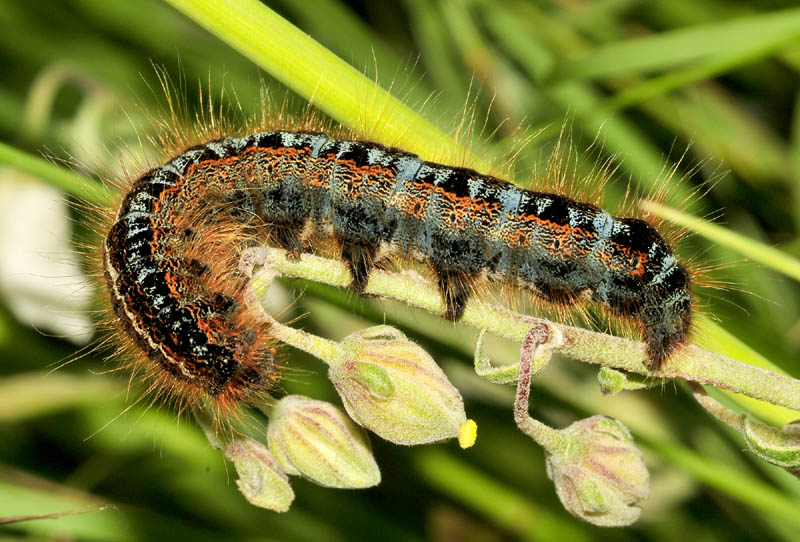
x: 708, y: 87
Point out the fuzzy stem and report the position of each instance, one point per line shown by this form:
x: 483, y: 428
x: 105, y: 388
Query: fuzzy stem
x: 715, y: 408
x: 777, y: 446
x: 690, y: 363
x: 534, y: 349
x: 266, y: 408
x: 319, y: 347
x: 484, y: 368
x: 206, y: 423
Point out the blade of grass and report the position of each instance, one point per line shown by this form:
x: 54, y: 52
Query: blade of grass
x: 705, y: 118
x: 22, y: 495
x: 760, y: 496
x: 668, y: 49
x: 28, y: 395
x: 700, y: 71
x: 333, y: 24
x: 482, y: 493
x: 72, y: 183
x: 795, y: 157
x: 619, y: 136
x: 434, y: 50
x: 759, y: 252
x: 319, y: 76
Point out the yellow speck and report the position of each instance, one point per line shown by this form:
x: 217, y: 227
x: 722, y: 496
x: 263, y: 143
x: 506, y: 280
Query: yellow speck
x: 467, y: 434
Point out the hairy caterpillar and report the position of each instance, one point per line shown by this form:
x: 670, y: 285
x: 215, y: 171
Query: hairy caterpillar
x: 170, y: 258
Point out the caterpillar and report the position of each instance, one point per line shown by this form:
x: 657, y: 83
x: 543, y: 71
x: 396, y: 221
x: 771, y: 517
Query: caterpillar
x: 170, y: 255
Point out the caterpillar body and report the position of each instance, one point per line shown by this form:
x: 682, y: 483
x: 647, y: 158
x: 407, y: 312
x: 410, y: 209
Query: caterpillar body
x: 170, y: 256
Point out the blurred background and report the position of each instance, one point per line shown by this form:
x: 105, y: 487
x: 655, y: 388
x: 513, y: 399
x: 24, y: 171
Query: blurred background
x: 707, y: 87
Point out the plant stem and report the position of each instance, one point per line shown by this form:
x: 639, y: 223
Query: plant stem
x: 545, y: 436
x: 715, y: 408
x: 319, y: 347
x: 690, y: 362
x: 321, y: 77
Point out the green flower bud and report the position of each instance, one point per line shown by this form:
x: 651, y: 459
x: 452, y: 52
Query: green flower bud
x: 317, y: 440
x: 261, y: 480
x: 613, y: 381
x: 599, y: 474
x: 778, y: 446
x: 393, y: 387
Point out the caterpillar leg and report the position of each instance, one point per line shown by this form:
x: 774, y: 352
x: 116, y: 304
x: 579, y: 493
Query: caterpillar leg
x: 195, y: 267
x: 288, y: 238
x: 666, y: 326
x: 360, y: 258
x: 456, y: 287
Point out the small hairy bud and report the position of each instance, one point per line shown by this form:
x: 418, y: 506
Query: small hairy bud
x: 778, y: 446
x: 391, y: 386
x: 599, y: 474
x: 317, y: 440
x: 613, y: 381
x: 262, y: 482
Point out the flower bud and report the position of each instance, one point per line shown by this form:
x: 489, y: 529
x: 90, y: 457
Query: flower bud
x: 393, y: 387
x: 317, y: 440
x: 261, y: 480
x: 778, y: 446
x: 599, y: 474
x: 613, y: 381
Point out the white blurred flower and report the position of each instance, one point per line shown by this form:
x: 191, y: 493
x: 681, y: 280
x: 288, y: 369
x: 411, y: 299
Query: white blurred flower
x: 40, y: 276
